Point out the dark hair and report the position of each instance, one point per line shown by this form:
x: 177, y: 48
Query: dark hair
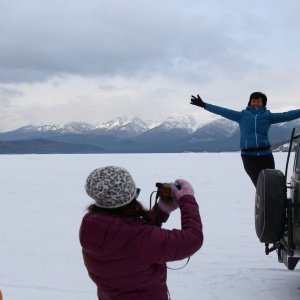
x: 257, y: 95
x: 133, y: 209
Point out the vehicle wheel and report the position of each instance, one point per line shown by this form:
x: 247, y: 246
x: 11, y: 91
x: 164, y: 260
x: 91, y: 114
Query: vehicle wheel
x: 270, y: 206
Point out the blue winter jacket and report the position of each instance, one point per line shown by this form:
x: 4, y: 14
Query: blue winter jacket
x: 254, y: 126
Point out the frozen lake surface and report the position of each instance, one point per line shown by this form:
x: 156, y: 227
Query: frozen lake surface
x: 43, y: 201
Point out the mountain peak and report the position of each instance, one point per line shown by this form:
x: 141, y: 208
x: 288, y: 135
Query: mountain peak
x: 130, y: 134
x: 72, y: 127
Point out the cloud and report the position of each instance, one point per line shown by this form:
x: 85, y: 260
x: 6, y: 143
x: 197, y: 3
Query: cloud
x: 64, y: 60
x: 98, y: 38
x: 7, y: 94
x: 90, y: 38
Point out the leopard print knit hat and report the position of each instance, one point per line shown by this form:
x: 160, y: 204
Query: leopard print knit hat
x: 110, y: 187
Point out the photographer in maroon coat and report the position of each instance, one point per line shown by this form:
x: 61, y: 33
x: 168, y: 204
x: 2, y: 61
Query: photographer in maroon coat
x: 124, y: 252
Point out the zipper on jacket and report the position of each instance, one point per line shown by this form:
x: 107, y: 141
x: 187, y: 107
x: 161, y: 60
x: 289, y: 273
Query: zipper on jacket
x: 256, y: 130
x: 255, y: 127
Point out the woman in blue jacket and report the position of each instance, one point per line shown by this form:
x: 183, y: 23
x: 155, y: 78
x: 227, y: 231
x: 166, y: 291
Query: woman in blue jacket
x: 254, y: 122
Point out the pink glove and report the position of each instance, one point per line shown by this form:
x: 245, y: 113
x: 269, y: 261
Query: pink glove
x: 185, y: 188
x: 168, y: 205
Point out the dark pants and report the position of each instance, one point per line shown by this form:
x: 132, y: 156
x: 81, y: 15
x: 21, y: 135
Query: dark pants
x: 254, y: 164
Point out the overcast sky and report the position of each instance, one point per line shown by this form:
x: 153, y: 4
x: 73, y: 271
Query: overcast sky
x: 93, y: 60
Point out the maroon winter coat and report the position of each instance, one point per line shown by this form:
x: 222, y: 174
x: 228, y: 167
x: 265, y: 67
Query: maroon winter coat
x: 126, y: 258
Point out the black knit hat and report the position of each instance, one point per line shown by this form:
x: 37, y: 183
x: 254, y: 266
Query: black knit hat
x: 257, y: 95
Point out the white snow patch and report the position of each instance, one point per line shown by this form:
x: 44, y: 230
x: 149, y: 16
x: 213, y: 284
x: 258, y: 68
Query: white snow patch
x: 43, y: 201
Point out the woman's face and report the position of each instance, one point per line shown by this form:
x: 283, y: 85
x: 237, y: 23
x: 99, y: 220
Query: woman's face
x: 256, y: 102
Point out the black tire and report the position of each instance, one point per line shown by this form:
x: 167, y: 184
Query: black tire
x: 270, y: 206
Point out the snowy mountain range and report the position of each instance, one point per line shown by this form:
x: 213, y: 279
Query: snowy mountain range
x: 130, y: 134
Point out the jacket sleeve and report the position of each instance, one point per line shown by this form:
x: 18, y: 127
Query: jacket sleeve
x: 224, y: 112
x: 285, y: 116
x: 159, y: 245
x: 160, y: 216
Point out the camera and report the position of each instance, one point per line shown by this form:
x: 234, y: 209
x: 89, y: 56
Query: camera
x: 164, y: 189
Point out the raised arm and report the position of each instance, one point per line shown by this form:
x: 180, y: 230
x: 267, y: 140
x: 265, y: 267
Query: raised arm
x: 162, y: 245
x: 218, y: 110
x: 285, y: 116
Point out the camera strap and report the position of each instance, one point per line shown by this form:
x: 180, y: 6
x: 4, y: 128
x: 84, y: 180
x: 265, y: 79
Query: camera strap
x: 157, y: 221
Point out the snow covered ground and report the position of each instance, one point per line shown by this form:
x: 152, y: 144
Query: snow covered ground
x: 43, y: 201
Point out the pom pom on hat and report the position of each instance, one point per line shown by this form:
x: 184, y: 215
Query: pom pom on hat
x: 110, y: 187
